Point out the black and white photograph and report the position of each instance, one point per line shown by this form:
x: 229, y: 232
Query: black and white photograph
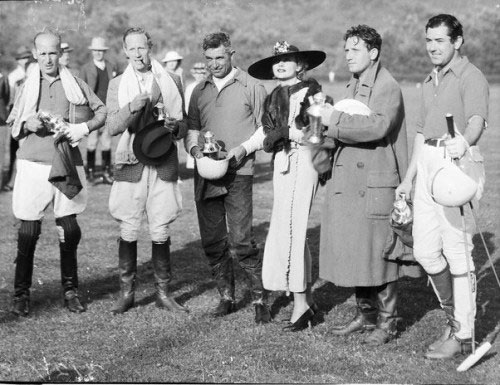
x: 250, y: 191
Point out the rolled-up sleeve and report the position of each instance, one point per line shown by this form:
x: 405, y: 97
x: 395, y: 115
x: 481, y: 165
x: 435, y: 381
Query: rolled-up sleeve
x: 193, y: 120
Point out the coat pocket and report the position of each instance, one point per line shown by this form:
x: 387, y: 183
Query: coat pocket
x: 380, y: 188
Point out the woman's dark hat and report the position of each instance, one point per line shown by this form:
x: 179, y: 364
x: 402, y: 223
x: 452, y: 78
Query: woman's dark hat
x: 263, y: 69
x: 152, y: 144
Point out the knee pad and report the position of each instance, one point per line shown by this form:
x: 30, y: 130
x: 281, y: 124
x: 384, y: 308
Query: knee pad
x: 433, y: 263
x: 28, y: 235
x: 69, y: 231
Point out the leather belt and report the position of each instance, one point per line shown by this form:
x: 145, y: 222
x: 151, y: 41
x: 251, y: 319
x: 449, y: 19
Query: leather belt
x: 435, y: 142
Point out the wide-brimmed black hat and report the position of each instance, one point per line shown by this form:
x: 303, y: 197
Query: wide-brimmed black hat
x: 152, y: 144
x: 263, y: 69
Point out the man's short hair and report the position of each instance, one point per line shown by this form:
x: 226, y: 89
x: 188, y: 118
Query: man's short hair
x: 455, y: 29
x: 215, y: 40
x: 138, y: 31
x: 51, y: 32
x: 368, y: 34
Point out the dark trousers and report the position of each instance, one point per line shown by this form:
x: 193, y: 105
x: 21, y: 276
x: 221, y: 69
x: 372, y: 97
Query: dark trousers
x: 226, y: 221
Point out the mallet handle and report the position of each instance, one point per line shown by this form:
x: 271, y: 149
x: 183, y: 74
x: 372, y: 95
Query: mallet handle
x: 451, y: 126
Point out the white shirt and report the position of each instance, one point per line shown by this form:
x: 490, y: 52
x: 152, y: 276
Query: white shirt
x: 100, y: 64
x: 220, y: 83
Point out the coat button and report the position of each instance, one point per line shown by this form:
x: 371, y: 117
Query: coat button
x: 361, y: 193
x: 360, y: 165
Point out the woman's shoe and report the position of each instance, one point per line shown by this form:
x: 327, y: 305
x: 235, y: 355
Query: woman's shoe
x: 302, y: 323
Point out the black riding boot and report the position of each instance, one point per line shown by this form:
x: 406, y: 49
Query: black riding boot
x: 386, y: 328
x: 90, y: 165
x: 223, y: 273
x: 366, y: 313
x: 28, y: 235
x: 68, y: 245
x: 106, y: 164
x: 162, y: 271
x: 448, y: 345
x: 69, y: 279
x: 259, y: 296
x: 127, y: 265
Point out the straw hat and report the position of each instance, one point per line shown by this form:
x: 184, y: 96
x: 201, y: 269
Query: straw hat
x: 263, y: 69
x: 98, y: 44
x: 23, y: 53
x: 199, y: 68
x: 65, y: 47
x: 171, y: 56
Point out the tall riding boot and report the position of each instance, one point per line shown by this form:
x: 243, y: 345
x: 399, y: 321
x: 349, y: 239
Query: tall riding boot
x: 69, y: 278
x: 366, y: 313
x: 162, y: 271
x: 90, y: 165
x: 442, y: 284
x: 386, y: 321
x: 28, y: 235
x: 223, y: 273
x: 127, y: 265
x: 458, y: 340
x: 259, y: 296
x: 106, y: 164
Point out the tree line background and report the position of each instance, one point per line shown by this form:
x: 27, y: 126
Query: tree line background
x: 255, y: 25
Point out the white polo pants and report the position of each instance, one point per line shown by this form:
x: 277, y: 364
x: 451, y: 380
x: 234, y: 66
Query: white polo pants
x: 439, y: 238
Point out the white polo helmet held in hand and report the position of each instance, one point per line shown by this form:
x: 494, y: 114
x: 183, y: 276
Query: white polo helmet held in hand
x: 211, y: 169
x: 451, y: 187
x: 352, y: 107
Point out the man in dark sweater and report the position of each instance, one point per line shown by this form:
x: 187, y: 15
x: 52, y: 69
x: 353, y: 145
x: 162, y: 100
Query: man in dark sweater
x: 97, y: 74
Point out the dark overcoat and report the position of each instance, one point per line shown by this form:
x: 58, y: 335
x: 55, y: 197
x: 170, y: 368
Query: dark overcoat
x: 368, y: 165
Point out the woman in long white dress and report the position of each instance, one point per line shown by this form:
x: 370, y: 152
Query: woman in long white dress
x: 287, y: 261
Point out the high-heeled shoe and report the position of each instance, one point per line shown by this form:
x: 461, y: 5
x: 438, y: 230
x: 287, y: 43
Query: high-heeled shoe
x: 302, y: 323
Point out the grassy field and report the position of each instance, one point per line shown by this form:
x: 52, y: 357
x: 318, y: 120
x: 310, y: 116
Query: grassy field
x: 150, y: 345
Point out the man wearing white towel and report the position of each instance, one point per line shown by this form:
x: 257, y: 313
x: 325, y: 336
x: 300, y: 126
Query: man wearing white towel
x: 50, y: 88
x: 144, y: 185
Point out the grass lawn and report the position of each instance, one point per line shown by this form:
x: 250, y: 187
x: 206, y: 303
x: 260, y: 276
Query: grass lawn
x: 150, y: 345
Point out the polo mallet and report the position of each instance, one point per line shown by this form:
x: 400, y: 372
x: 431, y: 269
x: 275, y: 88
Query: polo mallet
x: 451, y: 131
x: 488, y: 340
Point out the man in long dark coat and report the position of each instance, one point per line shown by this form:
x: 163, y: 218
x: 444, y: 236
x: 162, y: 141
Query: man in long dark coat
x: 370, y: 158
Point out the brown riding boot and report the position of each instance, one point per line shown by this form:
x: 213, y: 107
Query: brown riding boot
x: 163, y: 274
x: 366, y: 313
x: 386, y: 328
x: 223, y: 273
x: 127, y: 265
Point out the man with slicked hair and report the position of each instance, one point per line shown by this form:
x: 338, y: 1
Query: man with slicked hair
x: 441, y: 245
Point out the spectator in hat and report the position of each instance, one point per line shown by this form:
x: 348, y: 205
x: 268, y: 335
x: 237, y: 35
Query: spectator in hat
x: 65, y: 55
x: 97, y: 73
x: 199, y: 73
x: 146, y: 165
x: 172, y: 62
x: 24, y: 59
